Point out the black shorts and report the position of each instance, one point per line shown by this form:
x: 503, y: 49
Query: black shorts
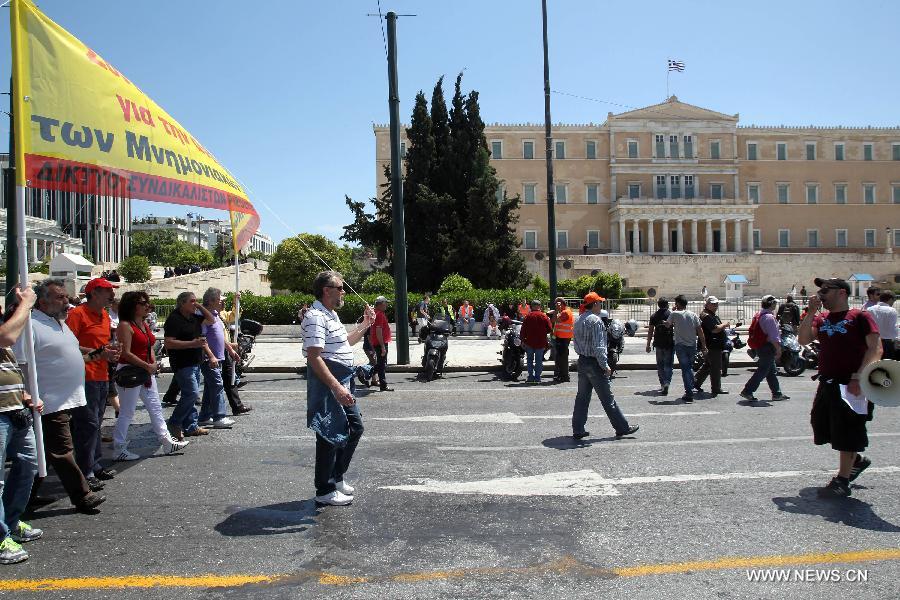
x: 834, y: 422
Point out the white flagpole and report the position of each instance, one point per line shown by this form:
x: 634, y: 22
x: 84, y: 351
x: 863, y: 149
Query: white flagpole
x: 237, y: 309
x: 28, y: 341
x: 668, y: 70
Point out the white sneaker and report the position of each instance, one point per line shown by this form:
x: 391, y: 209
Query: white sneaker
x: 205, y: 423
x: 170, y: 446
x: 345, y: 488
x: 223, y: 423
x: 122, y: 454
x: 335, y: 498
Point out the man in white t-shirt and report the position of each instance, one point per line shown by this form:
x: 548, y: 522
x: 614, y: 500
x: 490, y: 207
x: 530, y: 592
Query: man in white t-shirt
x: 331, y: 409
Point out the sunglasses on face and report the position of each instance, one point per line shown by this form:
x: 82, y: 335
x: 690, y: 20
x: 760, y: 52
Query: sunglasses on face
x: 337, y: 287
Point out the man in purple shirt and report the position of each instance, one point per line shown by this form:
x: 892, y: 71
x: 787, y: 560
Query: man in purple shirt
x: 769, y: 353
x: 212, y: 410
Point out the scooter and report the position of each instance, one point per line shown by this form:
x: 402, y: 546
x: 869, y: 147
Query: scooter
x: 436, y: 335
x: 245, y: 340
x: 615, y: 341
x: 512, y: 356
x: 791, y: 361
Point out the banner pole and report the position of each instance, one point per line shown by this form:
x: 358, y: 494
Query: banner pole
x: 237, y: 307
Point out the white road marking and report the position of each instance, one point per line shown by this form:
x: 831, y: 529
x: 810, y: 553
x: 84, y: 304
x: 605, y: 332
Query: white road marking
x: 474, y: 418
x: 621, y: 445
x: 647, y: 414
x: 588, y: 482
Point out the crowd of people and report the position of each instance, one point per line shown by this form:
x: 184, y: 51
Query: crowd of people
x: 88, y: 354
x: 462, y: 320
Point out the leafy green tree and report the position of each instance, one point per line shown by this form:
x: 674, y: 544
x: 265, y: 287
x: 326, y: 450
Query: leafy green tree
x: 378, y: 282
x: 135, y: 269
x: 373, y: 230
x: 455, y: 284
x: 294, y: 266
x: 152, y: 244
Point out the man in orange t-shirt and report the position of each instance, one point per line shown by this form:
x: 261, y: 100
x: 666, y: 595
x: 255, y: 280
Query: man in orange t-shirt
x: 90, y: 323
x: 380, y: 337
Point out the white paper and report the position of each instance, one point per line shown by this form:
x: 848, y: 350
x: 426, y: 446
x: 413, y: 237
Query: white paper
x: 859, y: 404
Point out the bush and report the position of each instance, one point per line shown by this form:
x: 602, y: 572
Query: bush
x: 135, y: 269
x: 541, y: 285
x: 380, y: 283
x: 455, y: 284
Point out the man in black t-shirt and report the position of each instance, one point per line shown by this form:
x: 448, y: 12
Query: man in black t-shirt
x: 661, y: 339
x: 789, y: 313
x: 714, y: 331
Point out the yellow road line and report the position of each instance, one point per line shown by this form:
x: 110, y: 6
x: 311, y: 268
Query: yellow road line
x: 565, y: 565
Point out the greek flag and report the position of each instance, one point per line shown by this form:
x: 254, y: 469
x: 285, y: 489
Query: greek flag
x: 676, y: 65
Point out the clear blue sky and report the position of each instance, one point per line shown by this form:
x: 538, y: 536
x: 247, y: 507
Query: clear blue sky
x: 285, y: 92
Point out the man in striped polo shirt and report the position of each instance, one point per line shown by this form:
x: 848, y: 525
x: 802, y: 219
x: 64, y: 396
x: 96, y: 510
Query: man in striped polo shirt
x: 331, y: 409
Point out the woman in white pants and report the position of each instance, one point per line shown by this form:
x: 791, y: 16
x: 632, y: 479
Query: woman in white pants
x: 136, y: 342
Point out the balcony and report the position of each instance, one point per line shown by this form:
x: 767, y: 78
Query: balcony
x: 625, y: 201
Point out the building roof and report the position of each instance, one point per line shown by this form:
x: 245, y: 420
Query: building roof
x: 68, y: 263
x: 861, y: 277
x: 735, y: 279
x: 676, y: 110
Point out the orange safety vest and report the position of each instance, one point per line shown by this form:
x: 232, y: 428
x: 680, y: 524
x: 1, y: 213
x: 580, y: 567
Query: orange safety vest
x: 465, y: 314
x: 564, y: 326
x: 524, y: 309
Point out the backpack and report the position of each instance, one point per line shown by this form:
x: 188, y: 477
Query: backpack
x: 663, y: 336
x: 757, y: 337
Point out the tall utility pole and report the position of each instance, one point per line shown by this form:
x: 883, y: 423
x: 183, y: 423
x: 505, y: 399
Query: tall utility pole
x: 400, y: 299
x: 9, y: 193
x: 551, y: 200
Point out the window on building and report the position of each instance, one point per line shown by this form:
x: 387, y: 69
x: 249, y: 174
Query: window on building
x: 751, y: 151
x: 895, y: 192
x: 753, y: 193
x: 561, y: 191
x: 781, y: 151
x: 660, y: 186
x: 675, y: 186
x: 673, y: 146
x: 634, y: 190
x: 870, y: 238
x: 632, y: 149
x: 689, y: 187
x: 812, y: 194
x: 660, y: 146
x: 840, y: 238
x: 593, y: 239
x: 714, y: 148
x: 562, y: 240
x: 812, y: 238
x: 592, y: 193
x: 895, y: 151
x: 688, y: 146
x: 839, y: 151
x: 783, y: 193
x: 528, y: 149
x: 757, y: 238
x: 840, y: 193
x: 869, y: 193
x: 402, y: 149
x: 560, y: 149
x: 530, y: 193
x: 496, y: 150
x: 530, y: 240
x: 868, y: 151
x: 810, y: 151
x: 897, y: 238
x: 590, y: 149
x: 715, y: 191
x: 784, y: 238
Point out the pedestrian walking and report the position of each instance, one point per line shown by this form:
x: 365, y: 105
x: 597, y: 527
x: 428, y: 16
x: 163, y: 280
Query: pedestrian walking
x: 686, y: 333
x: 212, y: 408
x: 16, y: 437
x: 331, y: 409
x: 563, y: 330
x: 714, y: 334
x: 789, y: 313
x: 885, y: 316
x: 848, y: 341
x: 594, y: 372
x: 661, y: 338
x: 380, y: 337
x: 535, y: 327
x: 765, y: 337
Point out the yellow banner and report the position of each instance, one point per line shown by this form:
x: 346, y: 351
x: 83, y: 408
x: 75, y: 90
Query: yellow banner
x: 82, y: 126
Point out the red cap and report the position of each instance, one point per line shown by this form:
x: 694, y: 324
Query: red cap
x: 99, y: 282
x: 593, y: 297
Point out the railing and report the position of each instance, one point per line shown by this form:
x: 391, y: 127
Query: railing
x: 643, y: 201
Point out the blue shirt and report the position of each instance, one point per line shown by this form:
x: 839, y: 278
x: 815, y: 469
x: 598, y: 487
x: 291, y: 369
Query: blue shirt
x: 590, y: 338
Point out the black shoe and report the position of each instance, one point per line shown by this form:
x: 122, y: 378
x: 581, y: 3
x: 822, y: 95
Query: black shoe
x: 630, y: 430
x: 780, y: 396
x: 362, y: 378
x: 719, y: 392
x: 95, y: 484
x: 687, y: 399
x: 242, y: 410
x: 862, y: 463
x: 836, y: 488
x: 385, y: 389
x: 748, y: 397
x: 698, y: 387
x: 89, y: 503
x: 105, y: 474
x: 582, y: 435
x: 665, y: 390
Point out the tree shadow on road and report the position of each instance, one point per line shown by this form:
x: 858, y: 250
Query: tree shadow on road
x: 845, y: 511
x: 275, y: 519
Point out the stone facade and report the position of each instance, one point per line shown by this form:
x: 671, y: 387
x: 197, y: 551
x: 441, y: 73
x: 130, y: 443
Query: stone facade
x: 253, y: 278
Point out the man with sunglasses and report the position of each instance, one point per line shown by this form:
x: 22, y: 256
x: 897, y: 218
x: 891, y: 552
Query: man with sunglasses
x: 848, y: 341
x: 331, y: 409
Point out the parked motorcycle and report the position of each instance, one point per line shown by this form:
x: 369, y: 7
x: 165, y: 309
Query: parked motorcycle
x: 810, y: 355
x: 512, y: 356
x: 245, y: 340
x: 615, y: 341
x: 436, y: 335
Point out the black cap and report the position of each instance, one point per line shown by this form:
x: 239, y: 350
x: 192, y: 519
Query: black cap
x: 832, y: 282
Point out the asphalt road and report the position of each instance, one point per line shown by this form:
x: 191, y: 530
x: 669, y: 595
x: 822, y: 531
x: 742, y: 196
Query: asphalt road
x: 470, y: 487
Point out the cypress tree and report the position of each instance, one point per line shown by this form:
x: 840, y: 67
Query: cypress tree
x: 440, y: 130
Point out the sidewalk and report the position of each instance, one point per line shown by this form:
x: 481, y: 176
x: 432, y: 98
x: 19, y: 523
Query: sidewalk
x: 279, y: 350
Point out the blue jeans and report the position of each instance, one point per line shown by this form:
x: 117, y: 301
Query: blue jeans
x: 17, y: 444
x: 465, y: 324
x: 184, y: 416
x: 592, y: 378
x: 665, y: 359
x: 86, y: 422
x: 213, y: 406
x: 766, y: 370
x: 686, y: 356
x: 535, y: 360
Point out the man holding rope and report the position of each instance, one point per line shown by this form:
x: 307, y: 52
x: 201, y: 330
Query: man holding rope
x: 331, y: 409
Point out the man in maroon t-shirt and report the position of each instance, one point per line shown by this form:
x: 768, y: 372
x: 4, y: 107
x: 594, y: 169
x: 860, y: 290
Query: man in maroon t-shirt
x: 380, y: 337
x: 535, y: 327
x: 848, y: 341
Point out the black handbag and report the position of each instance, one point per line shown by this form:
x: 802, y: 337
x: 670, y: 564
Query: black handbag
x: 131, y: 376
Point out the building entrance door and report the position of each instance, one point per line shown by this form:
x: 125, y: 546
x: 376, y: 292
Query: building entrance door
x: 673, y: 241
x: 717, y: 240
